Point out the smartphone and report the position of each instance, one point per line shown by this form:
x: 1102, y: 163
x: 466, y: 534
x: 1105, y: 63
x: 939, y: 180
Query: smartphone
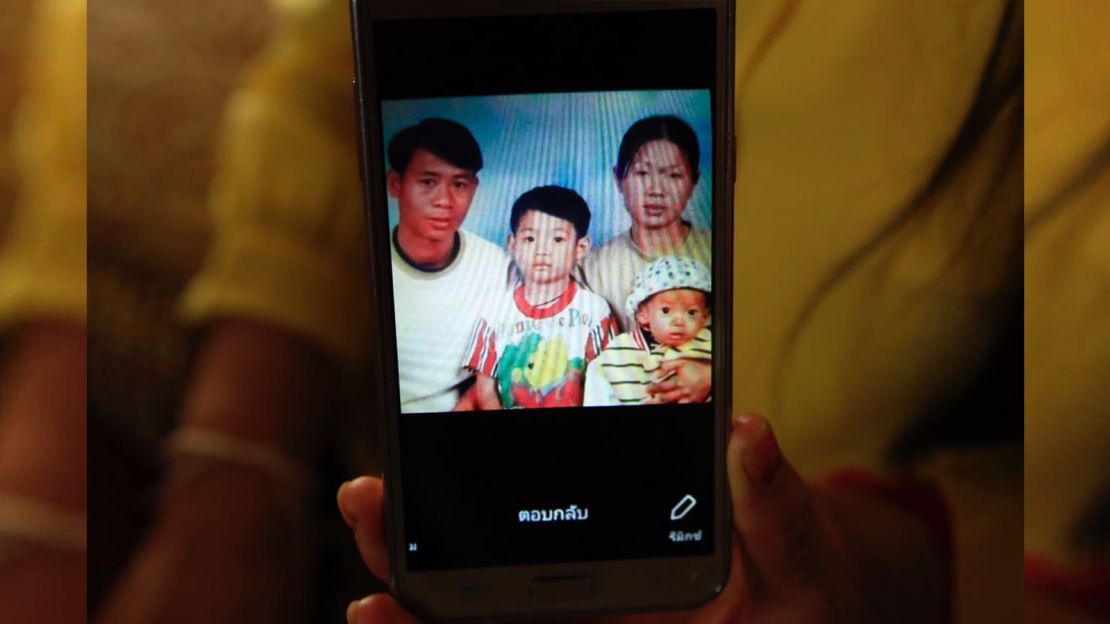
x: 548, y: 191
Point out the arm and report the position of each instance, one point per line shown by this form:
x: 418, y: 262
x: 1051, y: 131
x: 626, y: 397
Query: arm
x: 258, y: 384
x: 42, y: 461
x: 480, y: 359
x: 684, y: 381
x: 42, y: 415
x: 598, y: 391
x: 486, y: 392
x: 43, y: 372
x: 262, y: 384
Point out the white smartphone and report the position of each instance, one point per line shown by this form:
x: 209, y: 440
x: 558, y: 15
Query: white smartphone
x: 548, y: 187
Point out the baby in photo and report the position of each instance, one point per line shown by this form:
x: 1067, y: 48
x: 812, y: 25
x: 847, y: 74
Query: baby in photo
x: 670, y: 304
x: 531, y: 347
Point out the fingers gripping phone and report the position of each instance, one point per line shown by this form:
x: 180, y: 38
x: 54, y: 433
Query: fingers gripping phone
x: 548, y: 193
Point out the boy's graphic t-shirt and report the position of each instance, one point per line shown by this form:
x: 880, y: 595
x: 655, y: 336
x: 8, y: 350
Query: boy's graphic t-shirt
x: 538, y: 356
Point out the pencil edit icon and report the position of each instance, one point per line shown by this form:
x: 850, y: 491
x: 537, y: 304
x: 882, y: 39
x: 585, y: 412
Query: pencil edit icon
x: 683, y: 507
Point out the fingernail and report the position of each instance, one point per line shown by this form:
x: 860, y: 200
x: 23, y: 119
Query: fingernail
x: 355, y: 607
x: 760, y: 453
x: 339, y: 503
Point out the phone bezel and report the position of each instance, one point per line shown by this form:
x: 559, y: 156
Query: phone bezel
x: 634, y: 585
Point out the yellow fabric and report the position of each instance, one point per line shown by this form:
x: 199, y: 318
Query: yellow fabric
x: 1067, y: 270
x: 839, y: 121
x: 289, y: 243
x: 42, y: 256
x: 843, y: 110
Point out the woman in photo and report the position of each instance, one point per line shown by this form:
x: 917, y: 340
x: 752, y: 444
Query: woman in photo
x: 656, y: 171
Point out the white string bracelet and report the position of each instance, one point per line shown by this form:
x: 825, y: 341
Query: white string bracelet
x: 25, y: 522
x: 192, y: 452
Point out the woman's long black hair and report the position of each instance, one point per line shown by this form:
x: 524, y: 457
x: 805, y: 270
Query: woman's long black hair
x: 989, y: 410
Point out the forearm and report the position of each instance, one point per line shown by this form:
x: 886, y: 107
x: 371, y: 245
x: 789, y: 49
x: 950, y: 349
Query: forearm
x: 262, y: 385
x: 231, y: 529
x: 43, y: 415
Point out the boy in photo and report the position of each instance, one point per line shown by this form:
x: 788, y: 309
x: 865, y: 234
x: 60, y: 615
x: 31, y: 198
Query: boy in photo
x: 670, y: 304
x: 532, y: 347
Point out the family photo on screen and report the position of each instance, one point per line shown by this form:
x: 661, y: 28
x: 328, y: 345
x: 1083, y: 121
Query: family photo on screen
x: 551, y: 250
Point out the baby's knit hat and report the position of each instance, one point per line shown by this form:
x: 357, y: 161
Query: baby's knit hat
x: 668, y: 273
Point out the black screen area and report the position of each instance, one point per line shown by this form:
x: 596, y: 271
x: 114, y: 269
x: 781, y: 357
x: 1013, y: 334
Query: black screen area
x: 468, y: 477
x: 545, y: 54
x: 496, y: 487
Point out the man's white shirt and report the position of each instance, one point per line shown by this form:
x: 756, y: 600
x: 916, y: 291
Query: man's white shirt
x: 435, y: 316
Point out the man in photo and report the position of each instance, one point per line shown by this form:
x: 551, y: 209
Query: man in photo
x: 442, y: 274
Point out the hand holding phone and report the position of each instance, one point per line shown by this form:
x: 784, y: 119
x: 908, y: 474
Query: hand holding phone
x: 811, y: 555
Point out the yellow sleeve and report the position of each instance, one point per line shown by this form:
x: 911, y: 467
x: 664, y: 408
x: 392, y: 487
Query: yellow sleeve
x: 288, y: 247
x: 43, y: 254
x: 844, y: 110
x: 1067, y: 273
x: 1042, y: 498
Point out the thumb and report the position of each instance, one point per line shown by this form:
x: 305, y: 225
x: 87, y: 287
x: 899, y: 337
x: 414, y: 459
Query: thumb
x: 378, y: 609
x: 772, y: 508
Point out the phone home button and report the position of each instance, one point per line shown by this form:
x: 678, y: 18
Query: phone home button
x: 563, y: 587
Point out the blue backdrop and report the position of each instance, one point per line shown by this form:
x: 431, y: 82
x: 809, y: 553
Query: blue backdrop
x: 569, y: 139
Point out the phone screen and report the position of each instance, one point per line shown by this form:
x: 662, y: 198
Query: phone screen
x: 549, y: 188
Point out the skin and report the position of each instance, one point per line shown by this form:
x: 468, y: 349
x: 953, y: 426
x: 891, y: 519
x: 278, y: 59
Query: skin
x: 223, y: 542
x: 485, y: 394
x: 223, y: 550
x: 801, y: 553
x: 682, y: 381
x: 656, y: 189
x: 433, y: 197
x: 546, y: 249
x: 675, y: 316
x: 42, y: 458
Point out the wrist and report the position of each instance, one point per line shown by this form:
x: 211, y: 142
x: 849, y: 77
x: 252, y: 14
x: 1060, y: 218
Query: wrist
x: 25, y: 522
x: 195, y: 454
x: 219, y: 506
